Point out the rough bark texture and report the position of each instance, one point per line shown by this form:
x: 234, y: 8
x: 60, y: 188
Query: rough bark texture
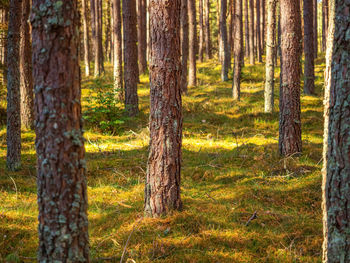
x: 192, y: 73
x: 270, y: 53
x: 184, y: 45
x: 62, y: 193
x: 86, y: 38
x: 309, y: 44
x: 201, y: 31
x: 324, y: 24
x: 13, y: 87
x: 246, y: 28
x: 207, y: 29
x: 162, y: 190
x: 290, y: 123
x: 223, y: 42
x: 336, y: 170
x: 117, y: 50
x: 130, y: 57
x: 142, y: 35
x: 27, y: 97
x: 251, y: 33
x: 238, y: 51
x: 258, y: 31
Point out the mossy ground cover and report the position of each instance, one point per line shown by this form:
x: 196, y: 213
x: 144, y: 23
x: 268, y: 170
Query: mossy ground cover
x: 231, y: 169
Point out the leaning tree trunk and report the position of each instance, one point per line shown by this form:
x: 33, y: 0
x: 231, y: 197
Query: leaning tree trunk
x: 131, y: 73
x: 142, y: 35
x: 184, y: 45
x: 162, y: 190
x: 13, y: 87
x: 207, y: 29
x: 258, y: 31
x: 270, y: 53
x: 223, y: 42
x: 86, y: 38
x: 238, y: 50
x: 192, y: 74
x: 27, y: 96
x: 117, y: 50
x: 309, y: 44
x: 291, y: 46
x: 336, y: 199
x: 201, y: 31
x: 62, y: 191
x: 251, y: 33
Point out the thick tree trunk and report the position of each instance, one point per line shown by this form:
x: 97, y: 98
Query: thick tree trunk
x: 162, y: 190
x: 258, y: 32
x: 27, y: 96
x: 130, y: 57
x: 315, y: 14
x: 117, y: 50
x: 13, y: 87
x: 207, y: 29
x: 238, y: 52
x: 201, y: 31
x: 290, y: 123
x: 336, y: 199
x: 62, y: 193
x: 86, y: 38
x: 246, y: 28
x: 223, y: 41
x: 270, y: 53
x: 251, y: 33
x: 142, y: 35
x: 309, y: 44
x: 192, y: 73
x: 184, y: 44
x: 324, y: 24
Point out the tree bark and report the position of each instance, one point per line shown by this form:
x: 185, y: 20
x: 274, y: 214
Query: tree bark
x: 251, y: 33
x: 201, y: 31
x: 62, y: 193
x: 246, y: 27
x: 258, y: 32
x: 86, y: 38
x: 27, y: 96
x: 192, y: 73
x: 262, y: 24
x: 13, y: 87
x: 142, y: 35
x: 130, y: 57
x: 117, y: 50
x: 336, y: 211
x: 315, y: 15
x: 291, y: 47
x: 96, y: 36
x: 238, y: 51
x: 162, y: 190
x: 184, y: 45
x: 309, y: 44
x: 107, y: 33
x: 223, y: 39
x: 270, y: 53
x: 324, y: 24
x: 207, y: 29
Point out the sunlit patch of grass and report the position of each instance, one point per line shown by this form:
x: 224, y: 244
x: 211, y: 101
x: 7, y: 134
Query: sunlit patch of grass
x: 231, y: 169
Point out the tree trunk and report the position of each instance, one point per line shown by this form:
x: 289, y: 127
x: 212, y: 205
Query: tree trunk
x: 251, y: 33
x: 223, y: 39
x: 117, y: 50
x: 142, y: 35
x: 130, y: 57
x: 262, y: 24
x: 291, y: 46
x: 162, y: 190
x: 315, y: 14
x: 258, y: 32
x: 270, y: 53
x: 95, y: 24
x: 309, y: 67
x: 13, y: 87
x: 201, y: 31
x: 336, y: 199
x: 62, y: 193
x: 184, y: 44
x: 324, y: 24
x: 27, y: 96
x: 207, y: 29
x: 246, y: 27
x: 86, y: 38
x: 100, y: 38
x: 108, y: 31
x: 192, y: 74
x: 238, y: 52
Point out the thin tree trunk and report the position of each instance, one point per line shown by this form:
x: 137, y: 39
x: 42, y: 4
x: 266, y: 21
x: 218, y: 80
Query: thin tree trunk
x: 117, y: 50
x: 207, y: 29
x: 142, y: 35
x: 100, y: 38
x: 162, y: 190
x: 315, y: 15
x: 13, y: 87
x: 258, y: 32
x: 262, y: 24
x: 62, y: 191
x: 184, y: 44
x: 108, y: 32
x: 270, y: 53
x: 324, y: 24
x: 251, y: 33
x: 130, y: 57
x: 246, y: 27
x: 238, y: 52
x: 192, y: 74
x: 223, y: 41
x: 86, y: 38
x: 201, y: 31
x: 309, y: 67
x: 27, y: 96
x: 290, y: 123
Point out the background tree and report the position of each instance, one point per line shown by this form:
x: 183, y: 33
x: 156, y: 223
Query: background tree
x: 246, y: 28
x: 315, y: 16
x: 117, y: 49
x: 86, y: 37
x: 238, y: 50
x: 201, y: 31
x: 309, y: 44
x: 162, y: 192
x: 207, y: 29
x: 142, y: 35
x: 324, y: 24
x: 291, y: 48
x: 184, y: 45
x: 13, y: 87
x: 62, y: 193
x: 225, y: 56
x: 251, y: 33
x: 192, y: 73
x: 258, y: 31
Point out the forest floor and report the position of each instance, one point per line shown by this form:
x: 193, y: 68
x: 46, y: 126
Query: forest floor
x: 231, y: 169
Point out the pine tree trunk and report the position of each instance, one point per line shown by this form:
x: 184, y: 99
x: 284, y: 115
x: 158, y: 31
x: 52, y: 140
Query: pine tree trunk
x: 142, y: 35
x: 27, y: 96
x: 258, y: 32
x: 324, y: 24
x: 291, y: 47
x: 107, y: 39
x: 192, y: 74
x: 246, y: 27
x: 184, y: 45
x: 117, y: 50
x: 62, y: 193
x: 315, y: 14
x: 270, y: 53
x: 262, y: 24
x: 99, y: 34
x: 336, y: 199
x: 223, y: 39
x: 86, y: 38
x: 251, y: 33
x: 130, y: 57
x: 162, y: 190
x: 13, y: 87
x: 207, y: 29
x: 309, y: 44
x: 238, y: 52
x: 201, y: 31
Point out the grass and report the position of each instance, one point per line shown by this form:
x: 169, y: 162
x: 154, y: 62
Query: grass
x: 231, y: 168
